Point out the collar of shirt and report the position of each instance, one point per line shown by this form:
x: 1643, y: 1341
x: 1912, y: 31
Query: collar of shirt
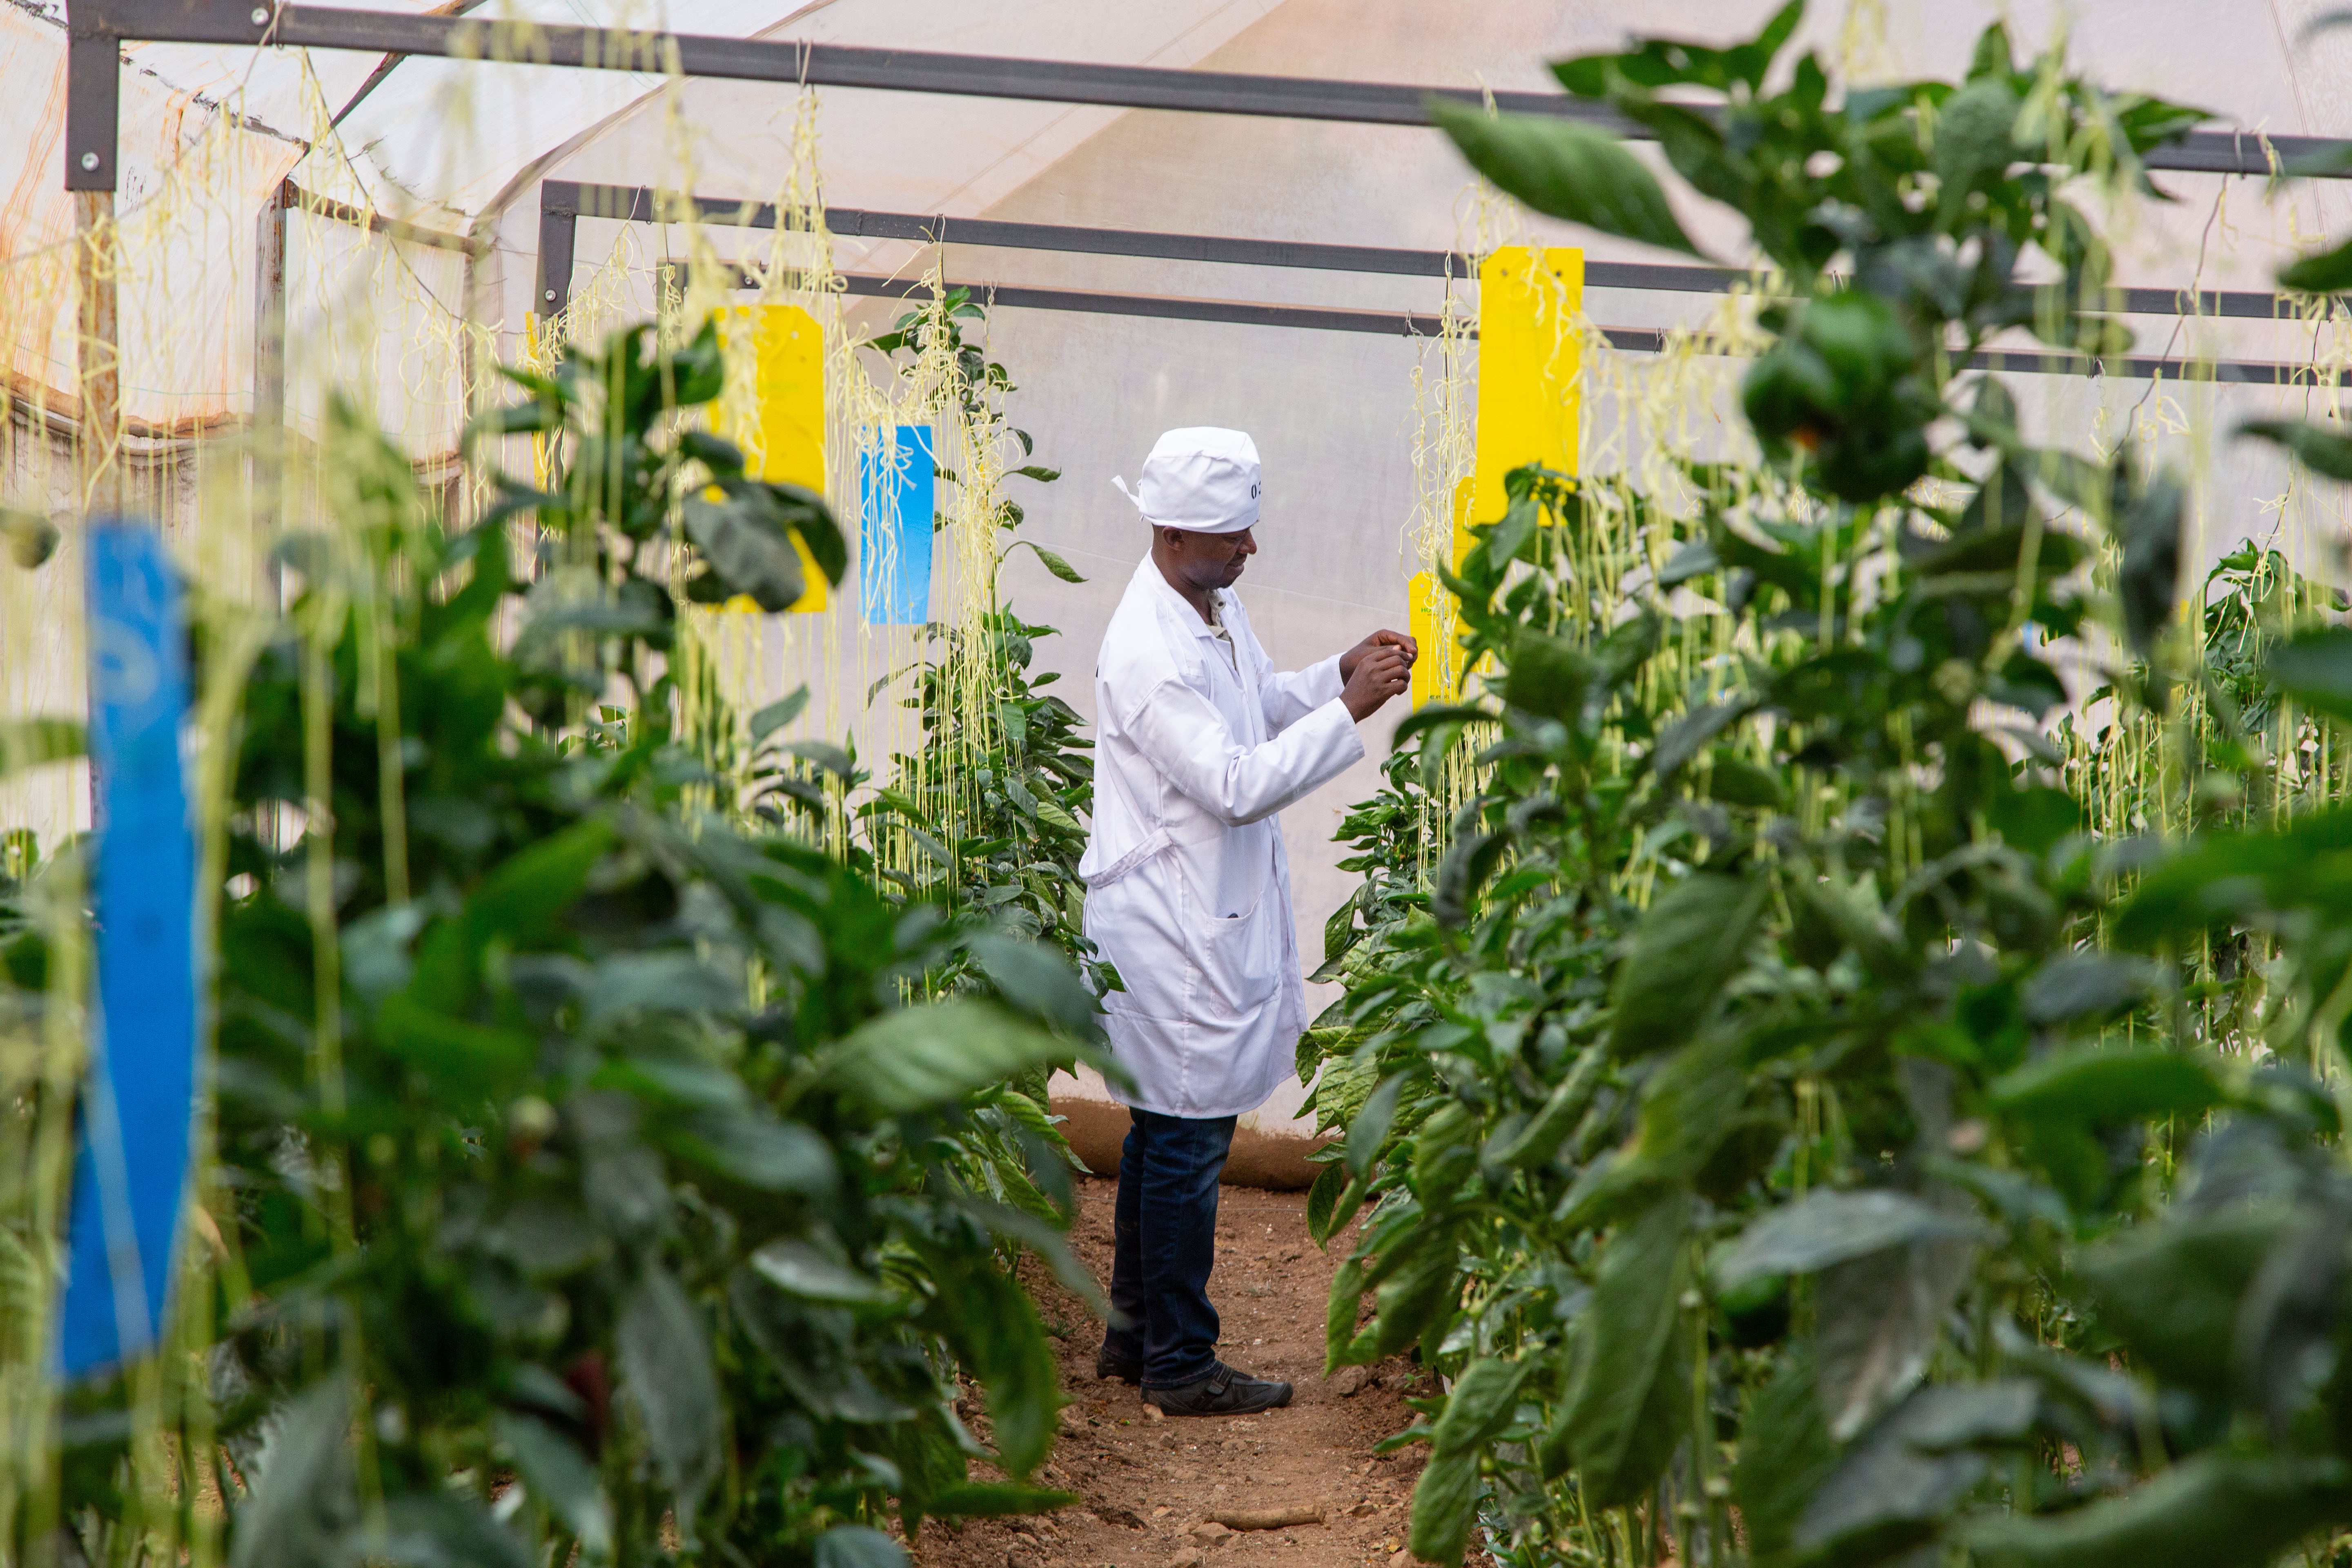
x: 1213, y: 628
x: 1216, y: 628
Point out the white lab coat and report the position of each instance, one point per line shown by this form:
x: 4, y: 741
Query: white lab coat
x: 1188, y: 890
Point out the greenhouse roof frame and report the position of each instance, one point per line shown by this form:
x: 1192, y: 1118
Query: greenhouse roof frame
x: 563, y: 203
x: 97, y: 29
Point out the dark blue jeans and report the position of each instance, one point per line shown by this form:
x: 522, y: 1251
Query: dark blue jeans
x: 1165, y: 1234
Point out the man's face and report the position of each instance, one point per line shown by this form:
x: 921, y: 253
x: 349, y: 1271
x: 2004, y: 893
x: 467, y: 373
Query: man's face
x: 1212, y: 560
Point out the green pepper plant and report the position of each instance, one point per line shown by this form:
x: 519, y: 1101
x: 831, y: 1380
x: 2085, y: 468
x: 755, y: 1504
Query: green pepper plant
x: 1786, y: 1123
x: 588, y: 1174
x: 995, y: 797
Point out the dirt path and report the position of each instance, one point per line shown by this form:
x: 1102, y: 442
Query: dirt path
x: 1150, y: 1485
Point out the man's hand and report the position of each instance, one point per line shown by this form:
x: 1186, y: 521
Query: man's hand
x: 1354, y: 655
x: 1381, y: 672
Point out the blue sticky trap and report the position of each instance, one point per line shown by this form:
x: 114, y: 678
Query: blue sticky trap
x: 896, y: 494
x: 131, y: 1170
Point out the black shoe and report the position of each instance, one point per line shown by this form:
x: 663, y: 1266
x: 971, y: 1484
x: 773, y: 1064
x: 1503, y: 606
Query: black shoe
x: 1223, y: 1391
x: 1107, y: 1367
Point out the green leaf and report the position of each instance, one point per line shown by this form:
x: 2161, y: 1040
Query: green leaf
x: 1369, y: 1128
x: 2314, y: 668
x: 1444, y: 1503
x: 2211, y: 1509
x: 561, y: 1477
x: 1911, y: 1468
x: 1041, y: 1236
x: 1054, y: 563
x: 1547, y: 676
x: 430, y: 1528
x: 1431, y: 715
x: 2173, y: 1291
x: 2328, y: 272
x: 778, y: 714
x: 1673, y: 62
x: 1972, y: 140
x: 1695, y: 559
x: 748, y: 549
x: 1342, y: 1344
x: 827, y: 756
x: 995, y: 1500
x: 1785, y: 1453
x: 1733, y: 780
x: 1876, y: 1320
x: 797, y: 1268
x: 1681, y: 740
x: 1480, y: 1404
x: 859, y: 1546
x: 1333, y: 1201
x: 515, y: 419
x: 1469, y: 860
x: 1038, y: 980
x: 562, y: 605
x: 1825, y: 1228
x: 723, y: 458
x: 464, y: 1060
x: 1340, y: 932
x: 665, y: 1371
x: 2087, y: 985
x: 515, y: 904
x: 994, y: 1326
x: 2094, y: 1085
x: 1540, y: 1139
x: 1421, y: 1292
x: 633, y: 983
x: 2147, y: 582
x: 753, y: 1148
x: 305, y: 1498
x: 1567, y: 170
x: 1630, y: 1400
x: 918, y: 1059
x: 1038, y: 471
x: 1685, y: 950
x: 36, y: 742
x: 2318, y: 447
x: 2035, y: 820
x: 544, y: 1237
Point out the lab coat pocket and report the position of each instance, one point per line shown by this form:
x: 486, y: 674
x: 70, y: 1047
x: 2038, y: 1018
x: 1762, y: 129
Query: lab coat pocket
x: 1240, y: 966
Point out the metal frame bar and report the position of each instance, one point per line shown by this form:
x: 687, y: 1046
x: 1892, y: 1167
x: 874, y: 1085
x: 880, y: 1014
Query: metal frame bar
x: 98, y: 28
x: 642, y: 203
x: 563, y: 203
x: 1634, y: 339
x: 1408, y: 323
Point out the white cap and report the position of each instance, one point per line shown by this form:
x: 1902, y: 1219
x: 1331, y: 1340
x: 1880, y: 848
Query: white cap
x: 1204, y: 479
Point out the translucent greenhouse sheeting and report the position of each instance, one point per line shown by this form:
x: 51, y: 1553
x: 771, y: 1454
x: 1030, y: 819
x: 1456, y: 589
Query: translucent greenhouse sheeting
x: 380, y: 322
x: 269, y: 87
x: 192, y: 186
x: 1353, y: 428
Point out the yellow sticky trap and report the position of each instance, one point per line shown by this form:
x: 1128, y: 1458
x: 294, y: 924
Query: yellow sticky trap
x: 782, y: 434
x: 1529, y: 360
x: 1437, y: 673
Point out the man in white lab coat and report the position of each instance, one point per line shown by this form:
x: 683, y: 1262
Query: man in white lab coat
x: 1198, y: 743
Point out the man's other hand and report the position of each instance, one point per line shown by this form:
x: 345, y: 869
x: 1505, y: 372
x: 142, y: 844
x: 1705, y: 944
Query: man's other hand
x: 1383, y: 638
x: 1381, y: 672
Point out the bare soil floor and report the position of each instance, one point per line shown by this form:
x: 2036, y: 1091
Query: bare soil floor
x: 1149, y: 1486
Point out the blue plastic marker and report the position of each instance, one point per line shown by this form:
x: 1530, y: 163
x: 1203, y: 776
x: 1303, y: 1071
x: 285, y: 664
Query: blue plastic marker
x: 895, y: 500
x: 132, y: 1168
